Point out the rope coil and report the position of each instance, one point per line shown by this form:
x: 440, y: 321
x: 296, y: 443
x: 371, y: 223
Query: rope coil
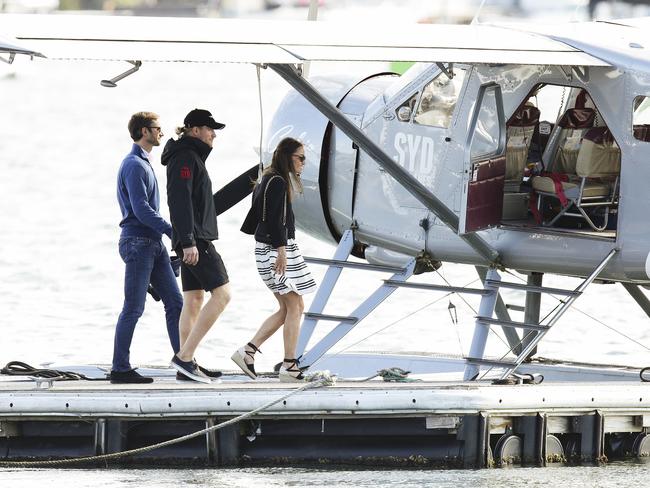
x: 394, y: 374
x: 18, y: 368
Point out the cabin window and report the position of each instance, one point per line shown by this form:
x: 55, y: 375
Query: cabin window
x: 641, y: 119
x: 487, y: 133
x: 439, y: 99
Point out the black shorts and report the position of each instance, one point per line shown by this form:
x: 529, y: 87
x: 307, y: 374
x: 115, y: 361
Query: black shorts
x: 209, y: 273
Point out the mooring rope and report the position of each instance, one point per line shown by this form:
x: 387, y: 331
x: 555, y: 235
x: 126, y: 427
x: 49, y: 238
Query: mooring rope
x: 18, y: 368
x: 314, y: 380
x: 394, y: 374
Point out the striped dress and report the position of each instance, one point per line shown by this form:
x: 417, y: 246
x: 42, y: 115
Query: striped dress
x: 296, y: 278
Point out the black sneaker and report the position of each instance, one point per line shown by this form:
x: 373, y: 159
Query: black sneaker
x: 189, y: 369
x: 210, y: 373
x: 182, y: 377
x: 132, y: 376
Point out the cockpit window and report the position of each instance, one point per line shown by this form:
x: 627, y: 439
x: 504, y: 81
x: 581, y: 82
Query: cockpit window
x: 408, y: 77
x: 439, y: 99
x: 641, y: 119
x: 405, y: 110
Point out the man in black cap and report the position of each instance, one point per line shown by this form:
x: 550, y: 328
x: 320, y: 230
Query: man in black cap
x: 194, y: 224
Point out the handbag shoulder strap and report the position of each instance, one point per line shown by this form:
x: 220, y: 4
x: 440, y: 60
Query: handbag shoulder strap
x: 284, y: 209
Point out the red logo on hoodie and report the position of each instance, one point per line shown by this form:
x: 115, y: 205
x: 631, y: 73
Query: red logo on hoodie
x: 186, y: 174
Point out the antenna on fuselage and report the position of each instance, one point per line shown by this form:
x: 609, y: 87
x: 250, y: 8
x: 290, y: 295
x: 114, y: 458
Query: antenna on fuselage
x: 478, y: 12
x: 112, y: 83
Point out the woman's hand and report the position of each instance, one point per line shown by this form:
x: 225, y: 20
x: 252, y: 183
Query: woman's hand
x: 281, y: 261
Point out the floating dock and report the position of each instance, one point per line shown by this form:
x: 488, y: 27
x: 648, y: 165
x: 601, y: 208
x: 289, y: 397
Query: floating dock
x: 423, y: 423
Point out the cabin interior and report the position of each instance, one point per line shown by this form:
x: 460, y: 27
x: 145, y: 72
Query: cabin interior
x: 563, y: 164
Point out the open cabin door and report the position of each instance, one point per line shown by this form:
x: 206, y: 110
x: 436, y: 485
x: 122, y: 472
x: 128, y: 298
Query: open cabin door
x: 485, y: 163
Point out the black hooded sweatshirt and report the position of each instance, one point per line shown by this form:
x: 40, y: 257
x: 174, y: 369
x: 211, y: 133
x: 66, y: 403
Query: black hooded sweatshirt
x: 189, y: 192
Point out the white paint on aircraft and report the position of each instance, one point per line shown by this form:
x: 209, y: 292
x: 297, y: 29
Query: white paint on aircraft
x: 414, y: 152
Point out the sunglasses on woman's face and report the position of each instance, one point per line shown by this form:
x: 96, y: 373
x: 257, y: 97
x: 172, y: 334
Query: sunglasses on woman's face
x: 301, y: 157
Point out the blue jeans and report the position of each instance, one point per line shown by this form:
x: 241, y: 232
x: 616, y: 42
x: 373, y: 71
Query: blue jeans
x: 146, y: 262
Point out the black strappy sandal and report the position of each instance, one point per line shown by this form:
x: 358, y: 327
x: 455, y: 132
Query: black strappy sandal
x: 292, y: 373
x: 239, y: 358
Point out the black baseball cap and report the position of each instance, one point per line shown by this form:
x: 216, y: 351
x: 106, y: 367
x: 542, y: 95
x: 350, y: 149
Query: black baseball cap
x: 199, y: 117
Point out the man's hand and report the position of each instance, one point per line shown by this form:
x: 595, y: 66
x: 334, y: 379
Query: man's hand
x: 190, y: 255
x: 281, y: 261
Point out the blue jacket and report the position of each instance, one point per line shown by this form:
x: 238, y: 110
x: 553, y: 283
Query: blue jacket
x: 137, y: 194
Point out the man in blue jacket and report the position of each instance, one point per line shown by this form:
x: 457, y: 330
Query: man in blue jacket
x: 141, y: 246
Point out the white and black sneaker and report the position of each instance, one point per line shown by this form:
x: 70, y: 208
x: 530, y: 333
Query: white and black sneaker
x: 189, y: 369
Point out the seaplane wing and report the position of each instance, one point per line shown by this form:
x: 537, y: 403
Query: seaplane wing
x: 293, y: 42
x: 11, y: 48
x: 624, y: 42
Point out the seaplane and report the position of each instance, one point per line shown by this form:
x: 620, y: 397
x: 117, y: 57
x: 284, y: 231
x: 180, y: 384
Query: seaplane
x: 501, y: 148
x: 506, y: 147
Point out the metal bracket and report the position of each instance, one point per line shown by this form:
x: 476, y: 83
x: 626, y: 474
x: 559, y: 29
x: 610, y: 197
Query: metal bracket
x: 447, y: 70
x: 10, y: 59
x: 49, y: 382
x: 112, y: 83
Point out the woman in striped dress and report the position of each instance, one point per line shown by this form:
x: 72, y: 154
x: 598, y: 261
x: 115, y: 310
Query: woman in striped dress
x: 278, y: 257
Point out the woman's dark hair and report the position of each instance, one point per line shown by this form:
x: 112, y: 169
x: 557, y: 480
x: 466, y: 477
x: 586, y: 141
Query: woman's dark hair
x: 282, y: 164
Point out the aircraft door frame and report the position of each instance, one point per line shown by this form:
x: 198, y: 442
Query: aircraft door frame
x: 484, y: 175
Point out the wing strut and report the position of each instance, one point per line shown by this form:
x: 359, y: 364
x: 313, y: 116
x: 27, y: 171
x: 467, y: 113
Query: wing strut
x: 403, y: 177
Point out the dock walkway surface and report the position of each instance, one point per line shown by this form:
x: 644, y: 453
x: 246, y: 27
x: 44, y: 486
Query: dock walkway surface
x: 422, y: 423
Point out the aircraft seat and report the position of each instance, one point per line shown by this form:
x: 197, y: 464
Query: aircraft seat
x: 598, y: 167
x: 520, y: 130
x: 573, y: 125
x: 547, y: 185
x: 599, y: 156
